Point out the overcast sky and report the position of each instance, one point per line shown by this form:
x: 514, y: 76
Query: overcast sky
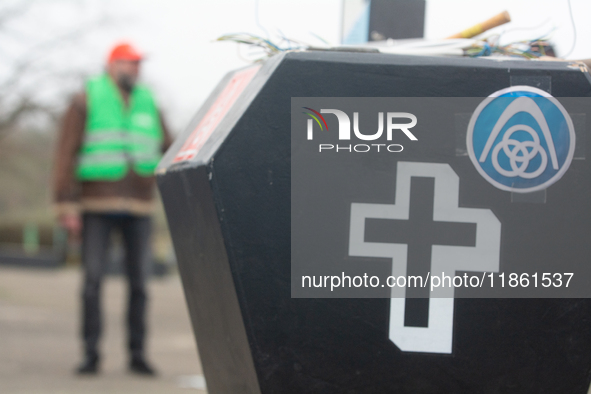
x: 185, y: 63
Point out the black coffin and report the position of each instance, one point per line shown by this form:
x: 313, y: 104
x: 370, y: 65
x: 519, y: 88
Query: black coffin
x: 227, y: 199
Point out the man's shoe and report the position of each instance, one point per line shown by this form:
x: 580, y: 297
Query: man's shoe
x: 140, y: 366
x: 89, y: 366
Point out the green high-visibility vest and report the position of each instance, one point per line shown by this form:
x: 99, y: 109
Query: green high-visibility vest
x: 117, y: 137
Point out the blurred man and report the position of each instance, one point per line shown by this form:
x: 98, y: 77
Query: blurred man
x: 111, y: 139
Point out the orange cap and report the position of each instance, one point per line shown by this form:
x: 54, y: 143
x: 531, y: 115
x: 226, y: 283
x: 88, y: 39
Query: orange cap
x: 124, y: 51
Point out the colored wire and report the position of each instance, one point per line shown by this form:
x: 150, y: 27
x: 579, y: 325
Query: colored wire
x: 256, y: 17
x: 269, y: 47
x: 572, y: 21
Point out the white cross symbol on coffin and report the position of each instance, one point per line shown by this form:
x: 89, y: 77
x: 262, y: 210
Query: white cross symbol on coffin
x: 482, y: 256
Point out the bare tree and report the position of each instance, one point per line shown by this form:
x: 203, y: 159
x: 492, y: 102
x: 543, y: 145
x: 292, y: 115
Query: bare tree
x: 33, y: 85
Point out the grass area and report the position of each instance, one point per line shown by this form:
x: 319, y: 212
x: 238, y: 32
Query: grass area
x: 26, y: 163
x: 25, y: 171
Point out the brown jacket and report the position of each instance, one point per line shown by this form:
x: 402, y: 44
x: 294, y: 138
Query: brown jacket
x: 132, y: 194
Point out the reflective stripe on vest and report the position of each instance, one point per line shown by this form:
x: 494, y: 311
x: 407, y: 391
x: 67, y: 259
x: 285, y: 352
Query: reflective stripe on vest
x: 118, y: 137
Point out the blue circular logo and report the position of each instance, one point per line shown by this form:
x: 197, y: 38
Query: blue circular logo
x: 521, y: 139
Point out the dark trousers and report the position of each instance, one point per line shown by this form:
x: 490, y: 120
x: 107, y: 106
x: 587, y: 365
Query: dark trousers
x: 96, y: 235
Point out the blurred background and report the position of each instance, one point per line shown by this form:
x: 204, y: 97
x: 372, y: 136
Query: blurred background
x: 48, y: 49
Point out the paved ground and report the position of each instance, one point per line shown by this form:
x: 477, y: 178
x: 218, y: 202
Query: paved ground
x: 39, y: 345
